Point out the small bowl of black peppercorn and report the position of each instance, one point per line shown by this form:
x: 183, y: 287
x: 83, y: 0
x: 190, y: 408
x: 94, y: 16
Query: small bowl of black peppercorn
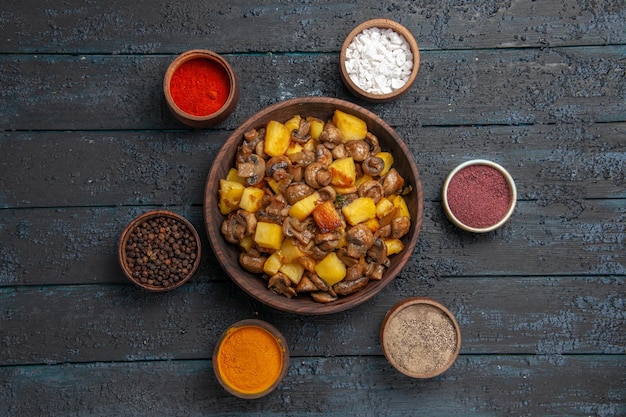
x: 159, y: 250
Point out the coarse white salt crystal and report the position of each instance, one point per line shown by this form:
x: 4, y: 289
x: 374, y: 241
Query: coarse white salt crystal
x: 379, y: 61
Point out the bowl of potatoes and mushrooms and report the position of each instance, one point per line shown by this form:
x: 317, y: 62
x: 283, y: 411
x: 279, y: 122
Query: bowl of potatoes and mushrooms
x: 313, y: 205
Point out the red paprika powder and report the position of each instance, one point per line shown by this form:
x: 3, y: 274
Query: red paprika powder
x: 200, y: 87
x: 479, y: 196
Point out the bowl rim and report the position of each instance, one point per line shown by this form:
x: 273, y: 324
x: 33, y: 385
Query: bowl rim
x: 424, y: 301
x: 121, y: 255
x: 382, y: 24
x: 267, y: 297
x: 282, y: 343
x: 233, y: 94
x: 510, y: 183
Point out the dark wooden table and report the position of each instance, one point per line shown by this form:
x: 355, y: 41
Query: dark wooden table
x: 87, y: 144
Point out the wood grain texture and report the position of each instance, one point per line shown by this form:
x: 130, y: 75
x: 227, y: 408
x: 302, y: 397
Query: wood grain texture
x: 87, y: 144
x: 78, y: 245
x: 510, y: 315
x: 145, y: 27
x: 509, y: 87
x: 125, y: 168
x: 474, y: 386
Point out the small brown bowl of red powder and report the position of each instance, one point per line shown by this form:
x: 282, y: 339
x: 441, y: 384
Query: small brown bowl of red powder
x: 479, y: 196
x: 201, y: 88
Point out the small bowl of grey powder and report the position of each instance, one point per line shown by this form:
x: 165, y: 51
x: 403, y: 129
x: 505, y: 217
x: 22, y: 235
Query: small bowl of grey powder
x: 379, y: 60
x: 420, y: 337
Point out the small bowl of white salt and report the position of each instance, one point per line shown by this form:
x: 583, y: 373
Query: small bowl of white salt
x: 379, y: 60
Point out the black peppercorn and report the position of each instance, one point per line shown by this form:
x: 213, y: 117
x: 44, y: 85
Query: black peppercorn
x: 160, y: 251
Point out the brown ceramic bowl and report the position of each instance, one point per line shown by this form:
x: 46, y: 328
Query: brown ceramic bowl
x: 381, y: 24
x: 420, y: 337
x: 158, y: 256
x: 209, y: 119
x: 458, y: 220
x: 322, y: 108
x: 235, y: 345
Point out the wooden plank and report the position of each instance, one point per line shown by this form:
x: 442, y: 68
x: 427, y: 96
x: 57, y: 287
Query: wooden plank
x: 511, y: 315
x: 170, y: 27
x: 170, y: 168
x: 474, y: 386
x: 79, y: 245
x: 510, y: 87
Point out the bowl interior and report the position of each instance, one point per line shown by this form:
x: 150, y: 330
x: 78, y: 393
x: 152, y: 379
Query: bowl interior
x: 139, y: 221
x: 449, y: 328
x: 323, y: 108
x: 212, y: 118
x: 382, y: 24
x: 281, y: 344
x: 512, y: 189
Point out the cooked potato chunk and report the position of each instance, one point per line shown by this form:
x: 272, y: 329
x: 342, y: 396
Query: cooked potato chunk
x: 293, y: 270
x: 343, y: 172
x: 230, y: 195
x: 326, y: 217
x: 272, y: 264
x: 360, y: 210
x: 393, y: 246
x: 331, y: 269
x: 351, y: 127
x: 268, y: 235
x: 251, y: 199
x: 277, y: 138
x: 304, y: 207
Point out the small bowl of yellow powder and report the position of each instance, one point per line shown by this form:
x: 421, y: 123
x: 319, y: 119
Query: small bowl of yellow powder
x: 420, y: 337
x: 251, y: 359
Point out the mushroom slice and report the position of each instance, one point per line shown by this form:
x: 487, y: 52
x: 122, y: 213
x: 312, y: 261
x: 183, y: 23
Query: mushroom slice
x: 253, y: 169
x: 372, y: 189
x: 359, y: 150
x: 372, y: 141
x: 377, y: 260
x: 349, y: 287
x: 237, y: 225
x: 323, y: 155
x: 373, y: 165
x: 296, y: 192
x: 293, y: 228
x: 248, y: 220
x: 232, y: 228
x: 331, y: 135
x: 327, y: 241
x: 359, y: 238
x: 306, y: 285
x: 323, y: 297
x: 339, y: 151
x: 279, y: 283
x: 317, y: 175
x: 400, y: 227
x: 252, y: 263
x: 392, y: 182
x: 327, y: 193
x: 302, y: 134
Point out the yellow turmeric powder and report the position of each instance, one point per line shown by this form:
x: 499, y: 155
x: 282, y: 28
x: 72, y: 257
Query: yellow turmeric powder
x: 249, y: 359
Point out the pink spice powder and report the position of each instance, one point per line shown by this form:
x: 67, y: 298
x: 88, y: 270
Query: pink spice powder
x: 479, y: 196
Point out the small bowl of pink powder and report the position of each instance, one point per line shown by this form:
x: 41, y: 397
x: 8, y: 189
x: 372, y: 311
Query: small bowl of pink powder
x: 479, y: 196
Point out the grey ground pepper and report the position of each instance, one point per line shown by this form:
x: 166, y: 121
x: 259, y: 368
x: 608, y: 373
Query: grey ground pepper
x: 420, y: 338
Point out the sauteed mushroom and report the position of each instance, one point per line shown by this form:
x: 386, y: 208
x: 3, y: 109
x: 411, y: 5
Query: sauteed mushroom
x: 359, y: 150
x: 373, y: 166
x: 252, y: 169
x: 317, y: 175
x: 295, y: 193
x: 281, y: 284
